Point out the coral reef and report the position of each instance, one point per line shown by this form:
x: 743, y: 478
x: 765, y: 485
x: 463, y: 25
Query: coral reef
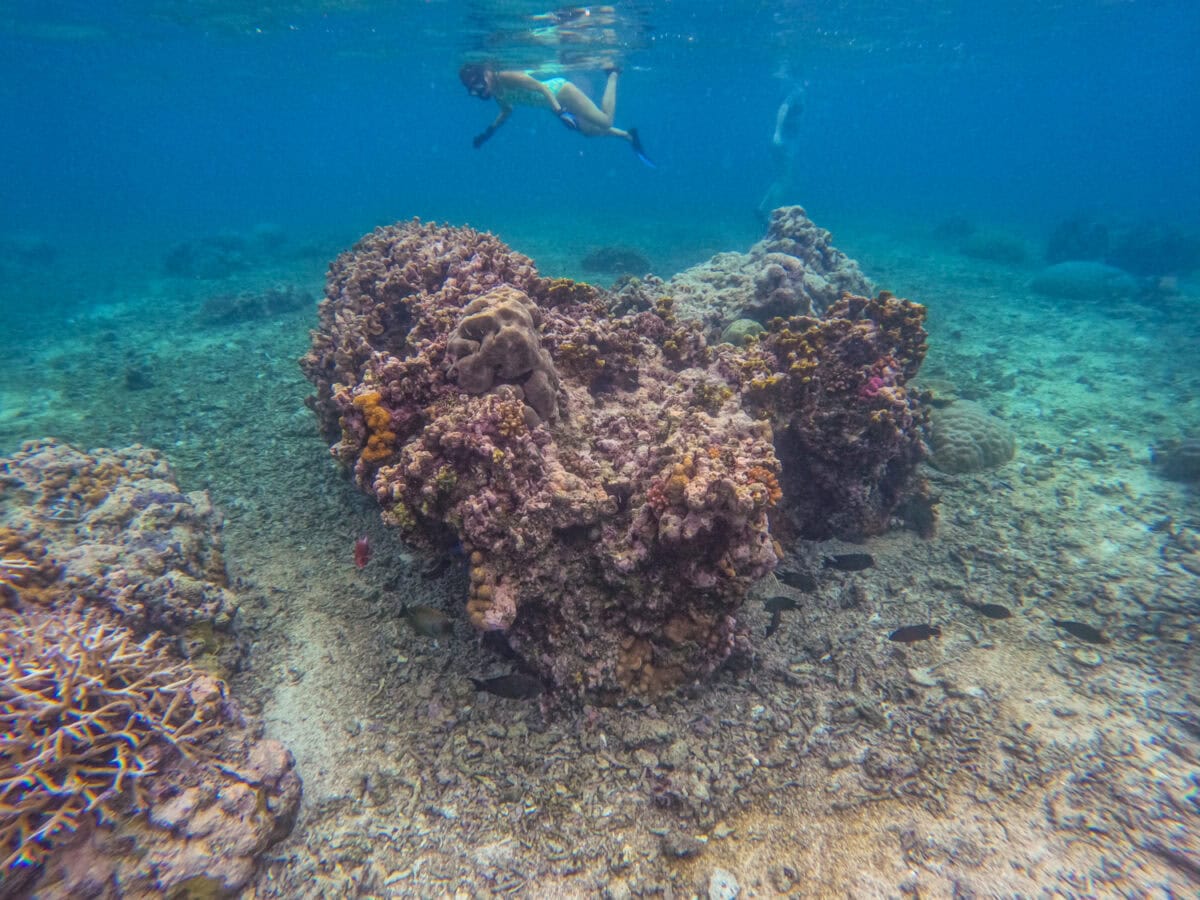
x: 1153, y: 249
x: 964, y: 437
x: 1146, y: 249
x: 247, y: 306
x: 740, y: 331
x: 994, y: 246
x: 87, y: 712
x: 1077, y: 239
x: 227, y: 253
x: 209, y: 258
x: 847, y: 429
x: 794, y: 271
x: 125, y: 770
x: 122, y: 533
x: 367, y: 311
x: 592, y: 476
x: 611, y: 479
x: 954, y: 228
x: 496, y: 342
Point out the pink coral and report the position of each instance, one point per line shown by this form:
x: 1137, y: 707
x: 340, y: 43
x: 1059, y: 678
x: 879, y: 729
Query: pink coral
x: 567, y: 557
x: 612, y: 536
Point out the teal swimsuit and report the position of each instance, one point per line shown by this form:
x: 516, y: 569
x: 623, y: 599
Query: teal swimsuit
x: 530, y: 97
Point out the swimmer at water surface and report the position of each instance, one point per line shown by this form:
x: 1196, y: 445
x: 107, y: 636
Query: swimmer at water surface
x: 563, y: 98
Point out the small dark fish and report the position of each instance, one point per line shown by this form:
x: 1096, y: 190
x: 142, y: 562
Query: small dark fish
x: 780, y: 603
x: 850, y: 562
x: 1082, y: 631
x: 801, y: 581
x: 436, y: 568
x: 511, y: 687
x: 498, y: 644
x: 362, y: 551
x: 776, y: 607
x: 991, y: 610
x: 427, y: 621
x: 910, y: 633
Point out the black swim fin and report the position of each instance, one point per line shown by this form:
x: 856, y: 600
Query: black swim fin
x: 637, y: 149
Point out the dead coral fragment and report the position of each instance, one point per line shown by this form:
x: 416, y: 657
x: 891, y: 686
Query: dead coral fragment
x: 87, y: 713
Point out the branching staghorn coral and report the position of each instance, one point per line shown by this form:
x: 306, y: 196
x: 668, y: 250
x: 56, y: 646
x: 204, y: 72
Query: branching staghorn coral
x: 12, y: 569
x: 87, y: 714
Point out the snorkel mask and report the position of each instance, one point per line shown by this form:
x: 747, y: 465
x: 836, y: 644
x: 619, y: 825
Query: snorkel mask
x: 474, y: 78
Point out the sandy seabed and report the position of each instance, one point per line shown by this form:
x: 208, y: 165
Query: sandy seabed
x: 1006, y: 758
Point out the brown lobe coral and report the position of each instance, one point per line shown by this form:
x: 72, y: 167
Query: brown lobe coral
x: 496, y: 341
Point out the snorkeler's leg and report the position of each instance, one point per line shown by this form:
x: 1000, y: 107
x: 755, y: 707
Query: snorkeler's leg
x: 592, y: 120
x: 608, y: 102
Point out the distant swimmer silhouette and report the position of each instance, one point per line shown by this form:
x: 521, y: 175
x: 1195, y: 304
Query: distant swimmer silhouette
x: 571, y: 105
x: 784, y: 143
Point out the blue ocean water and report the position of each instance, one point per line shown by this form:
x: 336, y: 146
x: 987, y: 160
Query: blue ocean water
x: 128, y: 124
x: 177, y: 176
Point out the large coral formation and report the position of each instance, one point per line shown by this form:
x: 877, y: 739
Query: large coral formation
x: 612, y: 479
x: 616, y: 261
x: 967, y: 438
x: 794, y: 271
x: 125, y: 770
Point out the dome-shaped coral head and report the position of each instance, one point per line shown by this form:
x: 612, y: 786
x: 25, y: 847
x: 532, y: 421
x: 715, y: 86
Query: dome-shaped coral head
x: 478, y: 79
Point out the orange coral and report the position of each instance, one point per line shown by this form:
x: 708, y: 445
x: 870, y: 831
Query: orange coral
x: 381, y: 440
x: 765, y: 477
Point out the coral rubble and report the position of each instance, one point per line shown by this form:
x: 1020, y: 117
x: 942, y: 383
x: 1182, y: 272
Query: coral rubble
x: 126, y: 769
x: 613, y: 480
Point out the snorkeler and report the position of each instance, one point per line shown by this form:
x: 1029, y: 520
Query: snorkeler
x: 571, y: 105
x: 784, y: 143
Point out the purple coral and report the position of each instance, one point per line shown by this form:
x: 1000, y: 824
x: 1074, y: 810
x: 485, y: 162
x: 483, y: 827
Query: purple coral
x: 847, y: 431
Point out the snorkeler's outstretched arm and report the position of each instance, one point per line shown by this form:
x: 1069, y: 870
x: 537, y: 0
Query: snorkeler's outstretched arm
x: 505, y: 112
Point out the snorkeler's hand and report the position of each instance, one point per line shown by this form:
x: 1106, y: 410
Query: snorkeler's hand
x: 568, y: 119
x: 478, y: 140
